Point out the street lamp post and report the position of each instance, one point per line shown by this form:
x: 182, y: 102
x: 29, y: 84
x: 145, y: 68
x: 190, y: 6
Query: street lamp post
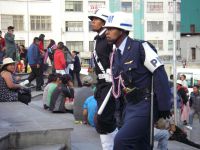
x: 174, y: 61
x: 28, y: 21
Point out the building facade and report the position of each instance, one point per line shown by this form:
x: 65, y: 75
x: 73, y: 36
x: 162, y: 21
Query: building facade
x: 153, y: 21
x: 61, y: 20
x: 190, y: 34
x: 190, y: 50
x: 67, y: 21
x: 190, y: 12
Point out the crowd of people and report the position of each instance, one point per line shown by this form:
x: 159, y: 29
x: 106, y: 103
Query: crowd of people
x: 129, y: 68
x: 188, y: 103
x: 34, y: 60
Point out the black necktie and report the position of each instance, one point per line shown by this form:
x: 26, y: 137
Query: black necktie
x: 119, y: 54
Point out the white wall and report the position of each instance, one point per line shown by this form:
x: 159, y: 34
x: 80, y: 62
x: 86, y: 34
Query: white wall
x: 187, y: 42
x: 165, y: 17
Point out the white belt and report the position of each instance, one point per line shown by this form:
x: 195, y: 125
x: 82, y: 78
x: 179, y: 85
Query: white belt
x: 105, y: 76
x: 102, y: 76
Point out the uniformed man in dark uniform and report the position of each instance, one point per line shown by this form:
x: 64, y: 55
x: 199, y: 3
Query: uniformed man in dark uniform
x: 106, y: 123
x: 133, y: 64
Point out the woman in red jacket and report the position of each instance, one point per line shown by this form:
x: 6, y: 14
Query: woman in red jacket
x: 59, y: 59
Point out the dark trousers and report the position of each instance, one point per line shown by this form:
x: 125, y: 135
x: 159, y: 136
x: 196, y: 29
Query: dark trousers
x: 71, y: 73
x: 25, y: 66
x: 106, y: 122
x: 42, y: 71
x: 135, y: 131
x: 36, y: 74
x: 119, y: 113
x: 77, y: 74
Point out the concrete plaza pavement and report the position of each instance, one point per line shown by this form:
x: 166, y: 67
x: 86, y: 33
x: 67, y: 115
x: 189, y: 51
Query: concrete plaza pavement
x: 84, y: 137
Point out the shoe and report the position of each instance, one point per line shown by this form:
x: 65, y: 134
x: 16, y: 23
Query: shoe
x: 45, y: 106
x: 189, y: 127
x: 184, y: 122
x: 29, y: 84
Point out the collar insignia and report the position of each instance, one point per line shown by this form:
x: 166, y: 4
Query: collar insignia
x: 128, y: 62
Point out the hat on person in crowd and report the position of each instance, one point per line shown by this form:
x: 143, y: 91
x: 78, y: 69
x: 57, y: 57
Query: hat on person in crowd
x: 119, y: 20
x: 87, y: 80
x: 100, y: 13
x: 179, y: 82
x: 7, y: 61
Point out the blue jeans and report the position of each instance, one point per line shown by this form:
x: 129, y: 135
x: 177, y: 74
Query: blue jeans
x: 162, y: 137
x: 191, y: 116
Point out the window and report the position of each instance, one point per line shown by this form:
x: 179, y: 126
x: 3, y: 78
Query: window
x: 94, y: 5
x: 154, y: 7
x: 41, y: 23
x: 170, y: 45
x: 91, y: 46
x: 90, y: 26
x: 193, y: 53
x: 170, y: 26
x: 75, y: 45
x: 85, y: 62
x: 178, y: 7
x: 154, y: 26
x: 126, y: 7
x: 74, y: 26
x: 178, y: 47
x: 192, y: 28
x: 12, y: 20
x: 158, y: 44
x: 20, y: 42
x: 72, y: 5
x: 171, y: 7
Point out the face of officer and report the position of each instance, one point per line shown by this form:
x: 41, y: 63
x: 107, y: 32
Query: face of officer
x: 113, y: 34
x: 97, y: 24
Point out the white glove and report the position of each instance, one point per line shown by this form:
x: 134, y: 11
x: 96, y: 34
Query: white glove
x: 24, y: 83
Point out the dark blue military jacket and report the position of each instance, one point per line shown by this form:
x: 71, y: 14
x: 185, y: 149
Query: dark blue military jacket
x: 131, y: 67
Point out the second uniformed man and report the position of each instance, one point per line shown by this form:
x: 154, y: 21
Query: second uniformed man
x: 106, y: 123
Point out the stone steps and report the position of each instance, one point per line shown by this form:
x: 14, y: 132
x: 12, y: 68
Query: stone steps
x: 46, y: 147
x: 23, y: 126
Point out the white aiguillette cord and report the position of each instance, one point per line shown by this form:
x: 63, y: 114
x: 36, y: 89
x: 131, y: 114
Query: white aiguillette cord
x: 117, y: 93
